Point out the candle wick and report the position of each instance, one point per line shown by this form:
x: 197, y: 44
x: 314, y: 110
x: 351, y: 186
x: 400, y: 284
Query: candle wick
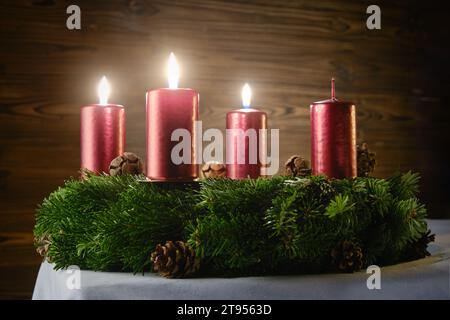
x: 333, y: 92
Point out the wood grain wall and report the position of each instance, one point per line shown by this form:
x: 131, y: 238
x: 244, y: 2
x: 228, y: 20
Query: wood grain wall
x: 287, y: 50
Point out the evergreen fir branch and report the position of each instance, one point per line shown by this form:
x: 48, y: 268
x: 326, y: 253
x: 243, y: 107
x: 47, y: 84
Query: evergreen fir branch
x: 379, y: 194
x: 339, y: 205
x: 239, y: 227
x: 405, y: 186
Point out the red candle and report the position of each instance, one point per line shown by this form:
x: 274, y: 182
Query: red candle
x: 167, y: 110
x: 245, y: 144
x: 333, y: 138
x: 102, y: 132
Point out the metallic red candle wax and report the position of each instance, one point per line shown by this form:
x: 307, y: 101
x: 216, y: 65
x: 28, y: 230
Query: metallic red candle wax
x: 102, y: 133
x: 168, y: 110
x: 244, y: 119
x: 333, y: 138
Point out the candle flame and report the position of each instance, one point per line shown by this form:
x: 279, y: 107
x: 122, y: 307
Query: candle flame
x: 246, y: 96
x: 103, y: 91
x: 173, y: 72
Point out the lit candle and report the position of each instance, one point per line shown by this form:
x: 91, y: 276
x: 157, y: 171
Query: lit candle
x: 169, y: 109
x: 102, y: 132
x: 333, y: 138
x: 245, y: 142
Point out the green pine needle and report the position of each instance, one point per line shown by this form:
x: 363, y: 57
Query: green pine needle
x: 238, y: 227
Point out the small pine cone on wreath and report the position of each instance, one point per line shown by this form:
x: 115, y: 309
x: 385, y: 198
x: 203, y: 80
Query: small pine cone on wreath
x: 365, y: 160
x: 128, y: 163
x: 297, y: 166
x: 214, y: 169
x: 175, y: 260
x: 42, y: 246
x: 347, y: 257
x: 418, y: 249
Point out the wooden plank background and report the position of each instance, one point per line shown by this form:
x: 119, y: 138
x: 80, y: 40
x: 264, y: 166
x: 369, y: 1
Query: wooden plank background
x: 287, y: 51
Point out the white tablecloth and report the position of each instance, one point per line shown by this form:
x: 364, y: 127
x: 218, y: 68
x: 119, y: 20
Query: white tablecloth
x: 422, y: 279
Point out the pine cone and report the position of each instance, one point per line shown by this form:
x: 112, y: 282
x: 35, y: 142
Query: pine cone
x: 365, y: 159
x: 418, y: 249
x: 297, y: 166
x: 42, y: 245
x: 214, y: 170
x: 175, y: 260
x: 128, y: 163
x: 347, y: 257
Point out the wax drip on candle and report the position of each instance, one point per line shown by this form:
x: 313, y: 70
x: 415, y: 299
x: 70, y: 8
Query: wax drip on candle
x: 333, y: 91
